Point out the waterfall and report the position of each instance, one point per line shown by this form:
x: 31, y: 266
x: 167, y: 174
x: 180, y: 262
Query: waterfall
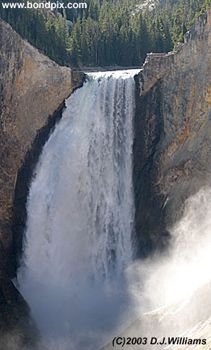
x: 80, y: 212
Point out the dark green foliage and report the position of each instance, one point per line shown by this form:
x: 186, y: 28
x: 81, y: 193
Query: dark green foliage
x: 47, y: 32
x: 181, y: 14
x: 108, y: 32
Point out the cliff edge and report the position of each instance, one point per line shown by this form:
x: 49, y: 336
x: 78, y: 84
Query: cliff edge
x: 32, y: 88
x: 172, y: 160
x: 172, y: 147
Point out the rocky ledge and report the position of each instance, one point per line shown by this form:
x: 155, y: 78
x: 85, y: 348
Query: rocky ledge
x: 32, y: 88
x: 172, y: 147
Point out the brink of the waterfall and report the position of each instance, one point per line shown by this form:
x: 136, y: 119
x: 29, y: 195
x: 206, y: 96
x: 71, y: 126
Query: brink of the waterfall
x: 80, y: 217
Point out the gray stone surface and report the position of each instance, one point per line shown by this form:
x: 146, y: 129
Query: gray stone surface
x: 172, y: 148
x: 32, y: 88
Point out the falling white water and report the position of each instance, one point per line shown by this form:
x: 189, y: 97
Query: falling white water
x: 80, y: 217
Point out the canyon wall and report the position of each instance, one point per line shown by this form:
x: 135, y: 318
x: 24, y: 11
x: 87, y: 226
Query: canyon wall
x: 172, y: 146
x: 32, y: 88
x: 172, y: 160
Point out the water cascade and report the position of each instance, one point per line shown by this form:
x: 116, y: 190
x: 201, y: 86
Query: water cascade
x: 78, y: 239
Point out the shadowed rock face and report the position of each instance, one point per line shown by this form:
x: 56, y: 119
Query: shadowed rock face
x: 32, y: 88
x: 172, y: 160
x: 172, y: 152
x: 172, y: 147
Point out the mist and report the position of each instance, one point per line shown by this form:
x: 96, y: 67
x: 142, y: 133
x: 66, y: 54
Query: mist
x: 77, y: 272
x: 172, y: 291
x: 80, y: 214
x: 166, y: 295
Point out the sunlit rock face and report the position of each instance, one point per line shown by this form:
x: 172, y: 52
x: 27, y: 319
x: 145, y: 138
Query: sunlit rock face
x: 172, y: 152
x: 32, y: 88
x: 172, y: 162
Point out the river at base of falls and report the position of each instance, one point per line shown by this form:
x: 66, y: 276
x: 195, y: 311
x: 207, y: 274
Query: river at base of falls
x: 80, y: 213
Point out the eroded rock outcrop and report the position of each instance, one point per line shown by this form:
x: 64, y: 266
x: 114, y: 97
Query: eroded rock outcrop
x: 172, y: 148
x: 32, y: 88
x: 172, y: 160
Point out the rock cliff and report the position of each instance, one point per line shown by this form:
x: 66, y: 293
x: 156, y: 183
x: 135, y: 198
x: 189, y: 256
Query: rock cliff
x: 172, y: 147
x: 32, y: 88
x: 172, y: 160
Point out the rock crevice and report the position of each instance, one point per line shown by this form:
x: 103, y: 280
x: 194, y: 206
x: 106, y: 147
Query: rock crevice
x: 32, y: 88
x: 172, y: 146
